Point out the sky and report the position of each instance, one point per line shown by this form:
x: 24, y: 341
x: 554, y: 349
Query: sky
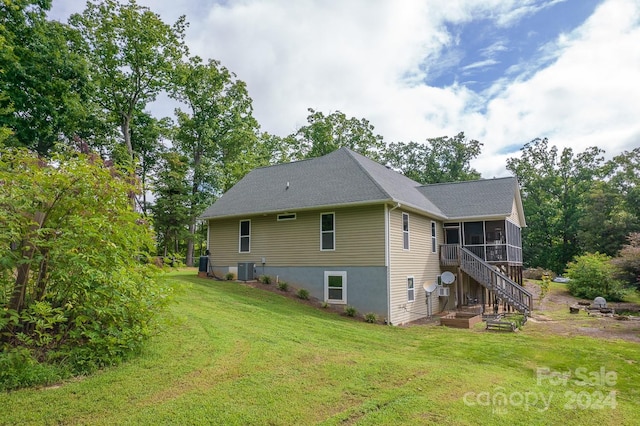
x: 503, y: 71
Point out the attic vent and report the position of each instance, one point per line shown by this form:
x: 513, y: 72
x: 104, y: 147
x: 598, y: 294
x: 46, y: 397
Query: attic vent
x: 286, y: 216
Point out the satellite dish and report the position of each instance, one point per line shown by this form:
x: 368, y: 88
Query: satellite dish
x: 430, y: 288
x: 447, y: 277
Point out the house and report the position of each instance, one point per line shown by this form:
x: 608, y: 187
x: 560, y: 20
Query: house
x: 353, y: 232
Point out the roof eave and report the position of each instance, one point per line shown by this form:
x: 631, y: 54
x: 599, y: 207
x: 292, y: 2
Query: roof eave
x: 300, y: 209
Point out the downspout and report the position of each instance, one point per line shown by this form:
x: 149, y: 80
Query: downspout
x: 387, y: 255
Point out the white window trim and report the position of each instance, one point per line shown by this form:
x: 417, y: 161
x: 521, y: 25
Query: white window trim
x: 343, y: 274
x: 240, y: 236
x: 408, y: 232
x: 413, y: 289
x: 282, y: 217
x: 434, y: 237
x: 333, y: 232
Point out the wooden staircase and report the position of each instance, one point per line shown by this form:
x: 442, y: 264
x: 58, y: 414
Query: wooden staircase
x: 501, y: 285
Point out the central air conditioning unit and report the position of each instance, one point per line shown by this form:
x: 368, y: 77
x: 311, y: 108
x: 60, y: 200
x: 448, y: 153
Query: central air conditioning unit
x: 443, y: 291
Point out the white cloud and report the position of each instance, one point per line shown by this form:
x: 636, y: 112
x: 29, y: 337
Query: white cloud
x: 589, y: 96
x: 371, y: 58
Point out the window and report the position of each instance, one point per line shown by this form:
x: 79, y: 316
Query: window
x: 434, y: 239
x: 405, y: 231
x: 335, y: 286
x: 286, y: 216
x: 411, y: 292
x: 245, y: 236
x: 327, y: 231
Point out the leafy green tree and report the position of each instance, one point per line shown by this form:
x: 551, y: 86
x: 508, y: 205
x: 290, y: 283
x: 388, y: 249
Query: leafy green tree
x: 628, y: 261
x: 592, y: 275
x: 147, y: 136
x: 624, y: 173
x: 132, y: 54
x: 171, y: 210
x: 605, y: 222
x: 44, y: 84
x: 74, y: 285
x: 441, y: 159
x: 217, y: 134
x: 326, y: 133
x: 554, y: 186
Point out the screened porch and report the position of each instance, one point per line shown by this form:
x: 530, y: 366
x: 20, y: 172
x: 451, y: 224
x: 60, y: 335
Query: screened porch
x: 495, y: 241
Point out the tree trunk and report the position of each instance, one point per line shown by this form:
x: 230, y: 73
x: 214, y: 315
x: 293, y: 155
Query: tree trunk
x: 22, y: 277
x: 190, y: 238
x: 125, y: 127
x: 126, y: 134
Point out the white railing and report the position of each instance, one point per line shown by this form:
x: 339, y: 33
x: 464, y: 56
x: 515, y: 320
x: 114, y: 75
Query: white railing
x: 507, y: 289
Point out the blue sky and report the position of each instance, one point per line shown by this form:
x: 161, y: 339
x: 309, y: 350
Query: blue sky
x: 503, y: 71
x: 484, y: 51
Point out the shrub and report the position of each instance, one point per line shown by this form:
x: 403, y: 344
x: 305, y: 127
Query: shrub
x: 19, y: 368
x: 93, y: 291
x: 303, y: 294
x: 325, y: 305
x: 350, y: 311
x: 230, y: 276
x: 283, y: 285
x: 593, y: 275
x: 265, y: 279
x: 544, y: 286
x: 371, y: 318
x: 537, y: 273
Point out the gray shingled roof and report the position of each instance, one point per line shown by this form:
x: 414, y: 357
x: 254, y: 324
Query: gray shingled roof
x: 486, y: 197
x: 344, y: 177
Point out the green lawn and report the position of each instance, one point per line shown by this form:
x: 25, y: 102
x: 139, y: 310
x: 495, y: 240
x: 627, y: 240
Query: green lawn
x: 232, y: 354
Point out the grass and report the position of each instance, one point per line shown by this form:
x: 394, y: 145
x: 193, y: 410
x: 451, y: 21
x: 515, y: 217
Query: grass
x: 231, y: 354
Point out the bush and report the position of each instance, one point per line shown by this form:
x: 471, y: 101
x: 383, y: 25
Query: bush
x: 371, y: 318
x: 350, y: 311
x: 303, y: 294
x: 19, y: 368
x: 544, y: 286
x: 265, y: 279
x: 325, y: 305
x: 593, y: 275
x: 283, y: 285
x: 93, y: 290
x: 537, y: 273
x: 230, y: 276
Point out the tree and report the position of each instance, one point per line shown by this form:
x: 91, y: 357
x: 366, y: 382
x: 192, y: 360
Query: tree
x: 43, y: 82
x: 554, y: 186
x: 171, y: 211
x: 628, y: 261
x: 75, y: 286
x: 132, y: 54
x: 217, y: 134
x: 605, y: 221
x: 325, y: 134
x: 439, y: 160
x: 147, y: 134
x: 624, y: 173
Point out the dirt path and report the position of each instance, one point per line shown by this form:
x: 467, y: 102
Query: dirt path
x: 552, y: 315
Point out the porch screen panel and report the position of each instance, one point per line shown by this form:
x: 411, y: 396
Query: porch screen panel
x: 473, y: 233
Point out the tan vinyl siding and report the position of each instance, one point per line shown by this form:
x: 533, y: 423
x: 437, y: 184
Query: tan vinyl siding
x: 359, y: 239
x: 515, y: 216
x: 418, y: 262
